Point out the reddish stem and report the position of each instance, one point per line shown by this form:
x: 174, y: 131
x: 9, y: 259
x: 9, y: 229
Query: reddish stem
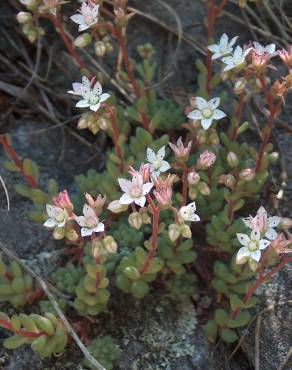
x: 119, y: 152
x: 122, y: 42
x: 12, y: 154
x: 185, y: 185
x: 20, y: 332
x: 238, y: 116
x: 261, y: 279
x: 153, y: 248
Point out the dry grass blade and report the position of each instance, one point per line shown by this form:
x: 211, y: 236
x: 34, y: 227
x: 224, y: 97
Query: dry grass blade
x: 45, y: 286
x: 6, y: 193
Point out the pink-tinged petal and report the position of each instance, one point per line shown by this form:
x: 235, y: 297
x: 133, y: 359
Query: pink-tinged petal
x: 95, y: 107
x: 50, y: 223
x: 195, y: 115
x: 271, y: 234
x: 99, y: 228
x: 213, y: 48
x: 53, y: 211
x: 201, y: 103
x: 124, y: 184
x: 218, y: 114
x: 274, y: 221
x: 165, y: 166
x: 137, y: 180
x: 151, y: 156
x: 86, y: 232
x: 104, y: 97
x: 242, y: 256
x: 206, y: 123
x: 77, y: 18
x: 255, y: 235
x: 264, y: 243
x: 161, y: 153
x: 243, y: 239
x: 81, y: 220
x: 214, y: 103
x: 126, y: 199
x: 88, y: 211
x: 256, y: 255
x: 147, y: 187
x: 141, y: 201
x: 82, y: 104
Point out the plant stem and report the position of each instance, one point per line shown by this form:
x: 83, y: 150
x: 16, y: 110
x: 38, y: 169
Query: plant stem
x: 119, y: 152
x: 153, y: 248
x: 12, y: 154
x: 128, y: 66
x: 20, y: 332
x: 261, y: 279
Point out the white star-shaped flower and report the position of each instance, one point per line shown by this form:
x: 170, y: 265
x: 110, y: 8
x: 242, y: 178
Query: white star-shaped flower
x: 157, y: 162
x: 92, y: 97
x: 268, y: 49
x: 252, y: 247
x: 206, y: 111
x: 263, y: 223
x: 57, y: 216
x: 89, y: 222
x: 235, y: 60
x: 87, y: 17
x: 134, y: 190
x: 224, y: 47
x: 187, y: 213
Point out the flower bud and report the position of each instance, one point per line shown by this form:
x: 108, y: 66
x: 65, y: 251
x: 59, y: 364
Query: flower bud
x: 193, y: 193
x: 110, y: 244
x: 62, y: 200
x: 146, y: 219
x: 193, y: 178
x: 186, y: 231
x: 274, y: 157
x: 59, y: 233
x: 83, y: 40
x: 97, y: 248
x: 109, y: 47
x: 232, y: 159
x: 240, y: 86
x: 213, y: 138
x: 174, y: 232
x: 204, y: 189
x: 206, y: 160
x: 83, y: 122
x: 100, y: 48
x: 286, y: 223
x: 72, y: 235
x: 229, y: 181
x: 247, y: 175
x: 103, y: 123
x: 116, y: 207
x: 24, y: 17
x: 135, y: 220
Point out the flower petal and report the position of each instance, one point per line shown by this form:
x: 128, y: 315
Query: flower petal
x: 97, y: 89
x: 147, y: 187
x: 161, y: 153
x: 81, y: 220
x: 50, y: 223
x: 88, y: 211
x: 264, y: 243
x: 274, y: 221
x: 206, y: 123
x: 104, y: 97
x: 214, y: 48
x: 233, y: 41
x: 195, y: 114
x: 271, y: 234
x: 255, y: 235
x: 99, y: 228
x: 201, y: 103
x: 256, y: 255
x: 124, y: 184
x: 214, y: 103
x: 53, y: 211
x: 140, y: 201
x: 218, y: 114
x: 77, y: 18
x: 243, y: 239
x: 165, y: 166
x: 242, y: 256
x: 247, y: 222
x: 86, y: 232
x: 95, y: 107
x: 126, y: 199
x: 194, y: 217
x: 192, y: 206
x: 82, y: 104
x: 151, y: 156
x: 224, y: 40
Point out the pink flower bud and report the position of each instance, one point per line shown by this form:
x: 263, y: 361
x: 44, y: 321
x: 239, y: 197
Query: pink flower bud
x: 96, y: 204
x: 144, y: 171
x: 247, y: 175
x: 181, y: 152
x: 206, y: 160
x: 193, y: 178
x: 281, y: 244
x: 163, y: 190
x: 286, y: 56
x: 62, y: 200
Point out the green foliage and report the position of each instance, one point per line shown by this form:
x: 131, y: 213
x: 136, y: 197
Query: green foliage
x: 105, y: 351
x: 45, y: 334
x: 46, y: 306
x: 183, y: 286
x: 66, y: 278
x: 16, y: 286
